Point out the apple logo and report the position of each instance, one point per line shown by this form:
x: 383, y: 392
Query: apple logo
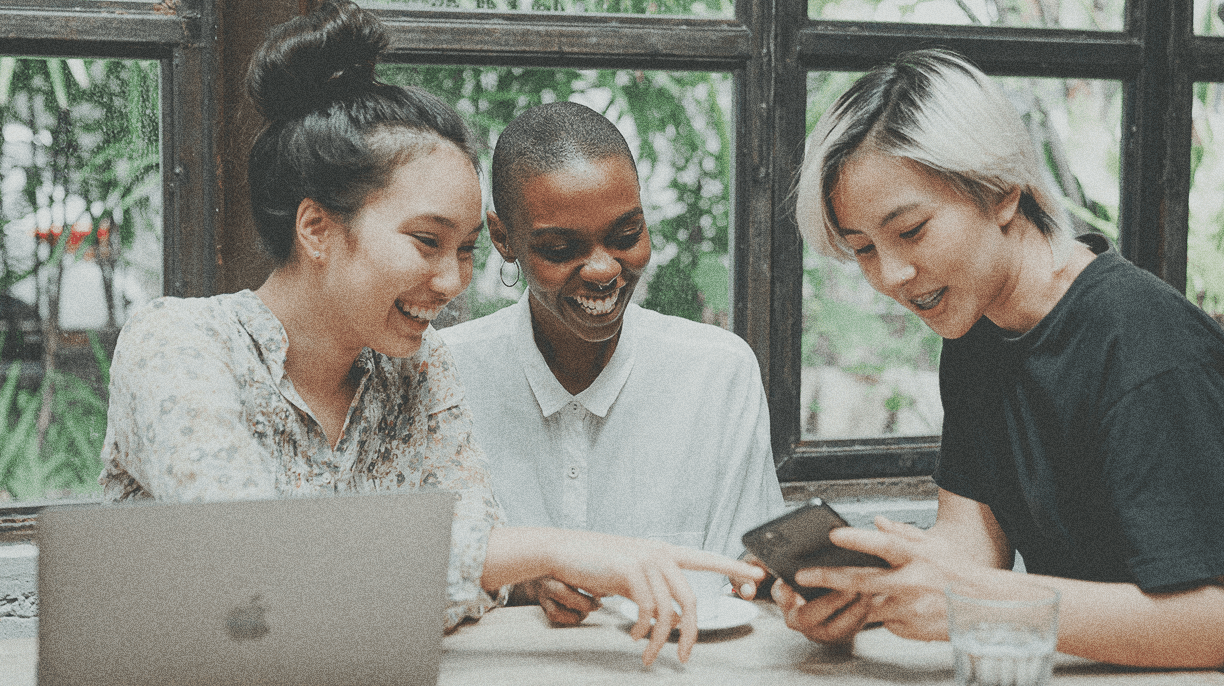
x: 247, y: 621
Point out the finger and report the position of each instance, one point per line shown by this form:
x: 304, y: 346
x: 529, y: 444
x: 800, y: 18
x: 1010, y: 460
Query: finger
x: 746, y: 590
x: 785, y: 597
x: 664, y: 614
x: 907, y: 531
x: 639, y: 592
x: 568, y: 596
x: 894, y: 548
x: 702, y: 560
x: 683, y: 593
x: 846, y: 579
x: 846, y: 622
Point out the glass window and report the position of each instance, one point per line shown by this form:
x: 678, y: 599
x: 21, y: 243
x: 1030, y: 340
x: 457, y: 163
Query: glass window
x: 1205, y: 246
x: 701, y: 8
x: 1209, y: 17
x: 80, y: 206
x: 1099, y: 15
x: 869, y: 365
x: 679, y: 126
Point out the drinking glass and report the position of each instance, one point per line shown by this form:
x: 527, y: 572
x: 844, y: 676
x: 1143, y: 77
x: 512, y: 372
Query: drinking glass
x: 1002, y: 635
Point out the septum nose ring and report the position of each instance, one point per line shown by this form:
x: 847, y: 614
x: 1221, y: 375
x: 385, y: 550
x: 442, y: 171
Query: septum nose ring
x: 605, y: 286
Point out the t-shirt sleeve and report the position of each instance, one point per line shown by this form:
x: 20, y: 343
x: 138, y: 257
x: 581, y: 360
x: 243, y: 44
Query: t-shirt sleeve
x: 1165, y: 470
x: 176, y: 426
x: 960, y: 459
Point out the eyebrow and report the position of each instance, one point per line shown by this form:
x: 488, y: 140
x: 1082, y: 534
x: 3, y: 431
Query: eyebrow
x: 618, y: 222
x: 842, y: 231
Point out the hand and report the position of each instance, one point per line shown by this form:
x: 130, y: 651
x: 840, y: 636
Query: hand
x: 562, y: 603
x: 910, y: 596
x: 646, y: 572
x: 747, y: 587
x: 833, y: 618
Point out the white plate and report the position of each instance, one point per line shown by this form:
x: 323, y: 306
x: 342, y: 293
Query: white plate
x: 713, y: 614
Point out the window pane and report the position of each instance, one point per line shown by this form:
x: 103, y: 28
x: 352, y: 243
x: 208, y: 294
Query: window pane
x: 679, y: 126
x: 1100, y: 15
x: 80, y: 202
x: 869, y: 365
x: 699, y: 8
x: 1209, y: 17
x: 1205, y: 251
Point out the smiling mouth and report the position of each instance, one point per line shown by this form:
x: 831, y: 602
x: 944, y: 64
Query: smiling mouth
x: 929, y: 300
x: 598, y: 306
x: 417, y: 312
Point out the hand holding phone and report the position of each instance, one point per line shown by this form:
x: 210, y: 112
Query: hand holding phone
x: 800, y: 539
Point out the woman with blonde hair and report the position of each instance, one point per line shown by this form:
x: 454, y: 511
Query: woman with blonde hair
x: 1081, y: 394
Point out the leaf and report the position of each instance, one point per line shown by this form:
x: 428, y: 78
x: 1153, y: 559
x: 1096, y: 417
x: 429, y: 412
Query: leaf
x: 57, y: 82
x: 7, y: 66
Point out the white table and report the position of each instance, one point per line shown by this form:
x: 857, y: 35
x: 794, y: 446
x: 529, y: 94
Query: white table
x: 516, y: 646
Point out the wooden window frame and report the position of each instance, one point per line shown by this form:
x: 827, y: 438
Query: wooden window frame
x: 768, y: 47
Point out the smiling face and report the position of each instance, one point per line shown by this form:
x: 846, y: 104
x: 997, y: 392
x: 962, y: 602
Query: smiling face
x: 406, y: 253
x: 581, y: 240
x: 925, y: 245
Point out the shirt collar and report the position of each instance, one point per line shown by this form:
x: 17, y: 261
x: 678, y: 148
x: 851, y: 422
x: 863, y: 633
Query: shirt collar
x: 270, y: 338
x: 549, y: 393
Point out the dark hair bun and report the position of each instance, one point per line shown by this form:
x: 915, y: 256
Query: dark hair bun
x: 310, y: 61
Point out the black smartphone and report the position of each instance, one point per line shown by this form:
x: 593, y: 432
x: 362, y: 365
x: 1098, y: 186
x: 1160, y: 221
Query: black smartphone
x: 800, y: 539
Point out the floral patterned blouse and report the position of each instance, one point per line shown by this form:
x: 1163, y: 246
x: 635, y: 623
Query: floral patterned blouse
x: 201, y: 410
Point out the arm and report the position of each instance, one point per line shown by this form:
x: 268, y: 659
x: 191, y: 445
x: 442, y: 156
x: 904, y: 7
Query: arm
x: 1111, y: 622
x: 647, y: 572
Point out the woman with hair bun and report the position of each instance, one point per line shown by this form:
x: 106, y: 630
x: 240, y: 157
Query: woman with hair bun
x: 329, y: 378
x: 1081, y: 394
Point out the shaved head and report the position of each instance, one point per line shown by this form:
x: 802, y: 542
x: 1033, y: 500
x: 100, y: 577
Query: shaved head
x: 546, y: 139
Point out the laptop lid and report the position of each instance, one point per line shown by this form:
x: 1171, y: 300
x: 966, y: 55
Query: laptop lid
x: 326, y: 591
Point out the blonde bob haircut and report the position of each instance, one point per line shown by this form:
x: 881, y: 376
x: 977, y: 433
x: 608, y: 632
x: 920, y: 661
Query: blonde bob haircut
x: 935, y: 108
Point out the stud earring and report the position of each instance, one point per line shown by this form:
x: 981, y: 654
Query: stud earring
x: 318, y: 255
x: 501, y: 273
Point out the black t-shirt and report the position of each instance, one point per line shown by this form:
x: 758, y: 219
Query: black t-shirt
x: 1097, y: 437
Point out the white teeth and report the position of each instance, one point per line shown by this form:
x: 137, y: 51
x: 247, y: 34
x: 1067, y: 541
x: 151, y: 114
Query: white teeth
x: 931, y: 300
x: 418, y: 312
x: 598, y: 306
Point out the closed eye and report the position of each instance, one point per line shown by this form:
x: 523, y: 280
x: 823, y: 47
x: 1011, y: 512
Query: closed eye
x: 426, y: 240
x: 913, y: 232
x: 865, y: 250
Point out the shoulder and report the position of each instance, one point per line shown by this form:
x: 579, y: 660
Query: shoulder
x: 479, y: 331
x: 1133, y: 310
x: 180, y: 324
x: 678, y: 339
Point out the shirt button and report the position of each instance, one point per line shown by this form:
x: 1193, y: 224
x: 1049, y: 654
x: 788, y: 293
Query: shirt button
x: 573, y: 472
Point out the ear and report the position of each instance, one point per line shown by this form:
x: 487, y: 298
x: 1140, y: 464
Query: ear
x: 1005, y: 209
x: 315, y: 227
x: 497, y: 234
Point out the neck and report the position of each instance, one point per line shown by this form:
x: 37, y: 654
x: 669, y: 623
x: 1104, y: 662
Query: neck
x: 1036, y: 285
x: 317, y: 360
x: 575, y: 362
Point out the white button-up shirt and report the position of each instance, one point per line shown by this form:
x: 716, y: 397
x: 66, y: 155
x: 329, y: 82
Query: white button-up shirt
x: 671, y: 441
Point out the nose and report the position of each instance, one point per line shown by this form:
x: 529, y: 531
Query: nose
x: 895, y: 270
x: 601, y: 268
x: 451, y: 276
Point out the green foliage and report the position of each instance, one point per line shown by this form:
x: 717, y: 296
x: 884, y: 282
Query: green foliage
x: 95, y: 128
x: 70, y: 459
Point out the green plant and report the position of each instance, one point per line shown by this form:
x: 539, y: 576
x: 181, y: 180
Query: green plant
x: 70, y: 458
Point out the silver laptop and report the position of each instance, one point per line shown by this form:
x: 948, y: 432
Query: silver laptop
x: 326, y: 591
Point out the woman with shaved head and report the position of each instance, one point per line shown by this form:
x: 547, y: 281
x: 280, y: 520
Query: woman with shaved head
x: 595, y: 413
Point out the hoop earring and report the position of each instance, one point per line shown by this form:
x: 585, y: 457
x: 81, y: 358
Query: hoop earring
x: 501, y: 273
